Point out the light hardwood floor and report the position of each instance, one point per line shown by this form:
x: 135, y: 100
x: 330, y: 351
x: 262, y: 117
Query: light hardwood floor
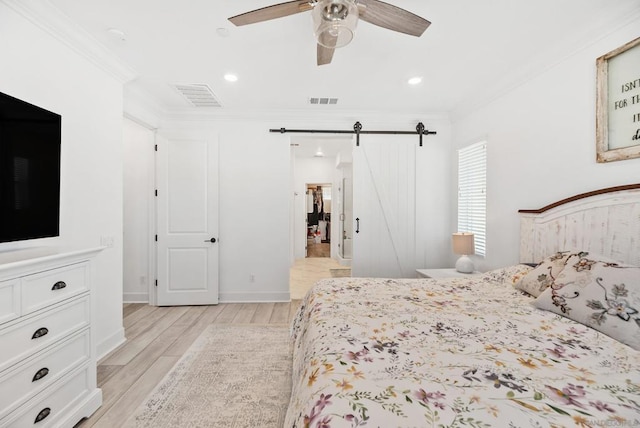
x: 306, y: 272
x: 156, y: 339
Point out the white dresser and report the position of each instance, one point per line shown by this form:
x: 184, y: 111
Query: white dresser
x: 47, y: 350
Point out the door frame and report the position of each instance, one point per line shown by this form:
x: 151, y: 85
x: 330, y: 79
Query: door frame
x: 344, y: 154
x: 306, y: 223
x: 151, y: 207
x: 153, y: 227
x: 153, y: 210
x: 206, y: 295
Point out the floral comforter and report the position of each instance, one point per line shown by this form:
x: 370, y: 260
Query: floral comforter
x: 455, y: 352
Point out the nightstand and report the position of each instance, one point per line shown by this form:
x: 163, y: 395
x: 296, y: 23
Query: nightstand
x: 444, y: 273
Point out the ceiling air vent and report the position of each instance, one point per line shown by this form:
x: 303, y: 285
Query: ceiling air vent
x: 199, y: 95
x: 323, y: 101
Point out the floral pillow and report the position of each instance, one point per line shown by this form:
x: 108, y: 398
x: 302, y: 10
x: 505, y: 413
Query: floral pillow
x: 539, y: 279
x: 600, y: 293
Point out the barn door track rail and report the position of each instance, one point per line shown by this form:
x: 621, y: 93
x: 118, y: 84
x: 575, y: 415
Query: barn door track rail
x: 357, y: 129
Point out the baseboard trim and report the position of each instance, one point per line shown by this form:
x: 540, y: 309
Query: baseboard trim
x: 109, y: 344
x: 254, y: 297
x: 135, y: 297
x: 343, y: 262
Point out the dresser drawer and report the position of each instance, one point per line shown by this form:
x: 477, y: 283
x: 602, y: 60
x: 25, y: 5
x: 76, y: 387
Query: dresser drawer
x: 9, y: 300
x: 28, y: 379
x: 53, y: 405
x: 51, y: 286
x: 34, y: 334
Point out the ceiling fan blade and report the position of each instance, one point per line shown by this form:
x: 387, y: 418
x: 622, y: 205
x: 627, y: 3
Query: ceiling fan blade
x: 325, y: 55
x: 392, y: 17
x: 272, y: 12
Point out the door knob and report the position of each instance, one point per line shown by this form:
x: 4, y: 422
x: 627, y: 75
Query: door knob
x: 212, y: 240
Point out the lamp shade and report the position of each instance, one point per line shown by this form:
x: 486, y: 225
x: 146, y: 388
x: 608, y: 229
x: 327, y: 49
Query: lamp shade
x: 334, y: 22
x: 463, y: 243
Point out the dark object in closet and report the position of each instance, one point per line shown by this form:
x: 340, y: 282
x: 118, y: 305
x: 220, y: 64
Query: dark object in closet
x: 312, y: 219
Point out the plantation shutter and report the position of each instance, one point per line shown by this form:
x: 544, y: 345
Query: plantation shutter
x: 472, y: 193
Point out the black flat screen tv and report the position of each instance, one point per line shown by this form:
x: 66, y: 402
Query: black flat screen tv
x: 30, y: 139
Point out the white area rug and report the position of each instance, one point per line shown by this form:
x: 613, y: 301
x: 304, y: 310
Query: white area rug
x: 235, y: 376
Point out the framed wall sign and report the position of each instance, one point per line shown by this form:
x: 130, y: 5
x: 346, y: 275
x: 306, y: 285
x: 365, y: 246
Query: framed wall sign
x: 618, y: 103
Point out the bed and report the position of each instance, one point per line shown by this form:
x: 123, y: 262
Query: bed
x: 478, y: 351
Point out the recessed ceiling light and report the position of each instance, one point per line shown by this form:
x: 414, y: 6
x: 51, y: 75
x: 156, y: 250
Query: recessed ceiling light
x: 230, y: 77
x: 414, y: 80
x: 222, y: 32
x: 319, y: 153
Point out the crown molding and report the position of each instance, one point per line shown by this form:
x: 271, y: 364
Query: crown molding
x: 142, y: 108
x: 50, y: 19
x: 297, y: 115
x: 542, y: 63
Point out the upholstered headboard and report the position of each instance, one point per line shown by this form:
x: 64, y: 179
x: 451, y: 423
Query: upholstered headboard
x: 605, y: 221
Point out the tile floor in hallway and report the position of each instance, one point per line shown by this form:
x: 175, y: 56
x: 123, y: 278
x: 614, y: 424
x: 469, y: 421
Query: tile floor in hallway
x: 305, y: 273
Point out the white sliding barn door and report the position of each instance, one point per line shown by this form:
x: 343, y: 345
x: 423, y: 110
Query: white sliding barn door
x: 187, y: 221
x: 384, y: 207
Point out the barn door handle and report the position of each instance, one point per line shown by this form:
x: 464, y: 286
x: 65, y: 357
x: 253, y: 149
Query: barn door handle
x: 212, y: 240
x: 357, y: 225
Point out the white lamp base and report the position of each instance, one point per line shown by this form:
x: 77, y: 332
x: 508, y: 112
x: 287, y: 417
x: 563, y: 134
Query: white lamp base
x: 464, y: 265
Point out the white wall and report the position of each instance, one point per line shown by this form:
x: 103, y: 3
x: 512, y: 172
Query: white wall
x: 41, y: 70
x: 254, y: 207
x: 433, y: 196
x: 541, y: 144
x: 255, y: 197
x: 138, y: 142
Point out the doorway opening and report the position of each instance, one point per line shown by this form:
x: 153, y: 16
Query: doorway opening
x: 317, y: 219
x: 318, y: 227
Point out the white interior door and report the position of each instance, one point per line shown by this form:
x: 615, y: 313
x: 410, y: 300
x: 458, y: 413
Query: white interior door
x: 384, y: 207
x: 187, y: 221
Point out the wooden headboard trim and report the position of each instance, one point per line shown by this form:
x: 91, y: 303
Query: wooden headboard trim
x: 582, y: 196
x: 604, y: 222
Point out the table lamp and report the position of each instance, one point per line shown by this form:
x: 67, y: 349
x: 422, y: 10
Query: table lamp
x: 464, y: 246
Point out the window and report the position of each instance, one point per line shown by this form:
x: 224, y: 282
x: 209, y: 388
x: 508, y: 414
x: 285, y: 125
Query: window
x: 472, y: 193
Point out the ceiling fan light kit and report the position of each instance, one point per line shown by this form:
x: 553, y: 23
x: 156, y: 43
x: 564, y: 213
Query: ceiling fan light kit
x: 334, y: 22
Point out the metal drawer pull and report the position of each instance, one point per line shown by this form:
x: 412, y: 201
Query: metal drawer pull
x: 40, y: 374
x: 40, y: 332
x: 42, y: 415
x: 58, y: 285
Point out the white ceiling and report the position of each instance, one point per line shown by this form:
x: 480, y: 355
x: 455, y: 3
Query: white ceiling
x: 472, y: 51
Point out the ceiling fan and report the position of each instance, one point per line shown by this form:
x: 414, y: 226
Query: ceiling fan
x: 334, y: 21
